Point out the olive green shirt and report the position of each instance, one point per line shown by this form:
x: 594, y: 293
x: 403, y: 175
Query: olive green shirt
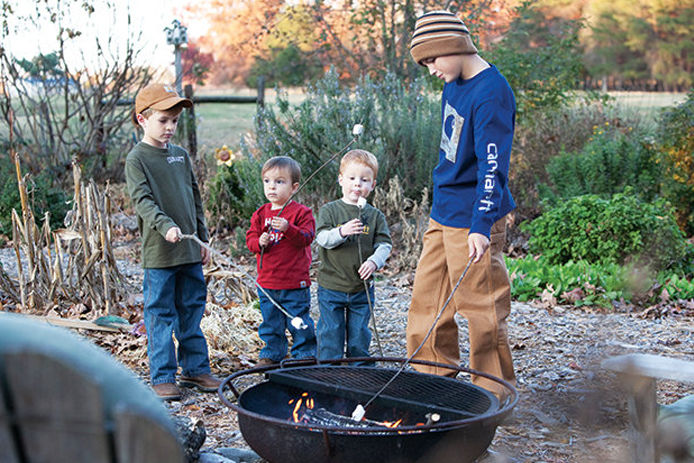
x: 340, y: 260
x: 165, y: 194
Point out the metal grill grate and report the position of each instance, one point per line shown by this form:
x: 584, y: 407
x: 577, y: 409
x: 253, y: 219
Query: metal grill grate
x: 410, y: 389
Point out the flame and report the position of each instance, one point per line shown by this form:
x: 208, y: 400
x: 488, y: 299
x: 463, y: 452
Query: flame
x: 392, y: 424
x: 303, y: 400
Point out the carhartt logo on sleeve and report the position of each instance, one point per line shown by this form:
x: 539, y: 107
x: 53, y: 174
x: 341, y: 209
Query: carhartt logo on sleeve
x: 486, y: 203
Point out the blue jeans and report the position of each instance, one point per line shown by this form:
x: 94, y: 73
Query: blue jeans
x: 343, y: 314
x: 174, y: 303
x: 272, y: 330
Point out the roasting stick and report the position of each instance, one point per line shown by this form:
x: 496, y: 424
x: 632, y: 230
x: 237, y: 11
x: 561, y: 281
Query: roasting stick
x: 297, y: 322
x: 360, y: 409
x: 356, y: 131
x: 360, y: 204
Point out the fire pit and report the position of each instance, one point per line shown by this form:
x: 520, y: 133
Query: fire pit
x: 301, y: 413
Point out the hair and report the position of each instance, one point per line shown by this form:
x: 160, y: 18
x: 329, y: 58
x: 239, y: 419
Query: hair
x: 283, y: 162
x: 361, y: 157
x: 147, y: 112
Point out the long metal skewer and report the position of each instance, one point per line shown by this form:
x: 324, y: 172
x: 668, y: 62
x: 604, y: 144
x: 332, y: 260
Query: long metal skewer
x: 356, y: 131
x: 360, y: 410
x: 297, y: 322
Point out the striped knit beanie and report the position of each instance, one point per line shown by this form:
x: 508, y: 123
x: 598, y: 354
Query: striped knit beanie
x: 440, y: 33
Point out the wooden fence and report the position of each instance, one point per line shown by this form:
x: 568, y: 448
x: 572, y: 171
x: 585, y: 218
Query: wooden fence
x: 190, y: 127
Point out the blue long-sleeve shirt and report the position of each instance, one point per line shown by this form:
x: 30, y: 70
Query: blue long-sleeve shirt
x: 471, y: 178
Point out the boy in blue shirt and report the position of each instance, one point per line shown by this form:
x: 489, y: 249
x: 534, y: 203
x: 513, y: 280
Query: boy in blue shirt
x: 470, y: 202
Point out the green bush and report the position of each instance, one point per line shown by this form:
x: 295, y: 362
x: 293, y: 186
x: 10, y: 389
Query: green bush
x: 616, y: 230
x: 676, y: 145
x: 235, y: 191
x: 401, y: 127
x: 43, y: 197
x: 582, y: 283
x: 541, y: 138
x: 611, y: 161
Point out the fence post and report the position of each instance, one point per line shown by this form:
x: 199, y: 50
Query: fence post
x: 261, y: 91
x: 191, y: 129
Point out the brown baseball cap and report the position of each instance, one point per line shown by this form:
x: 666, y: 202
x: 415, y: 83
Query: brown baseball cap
x: 158, y: 96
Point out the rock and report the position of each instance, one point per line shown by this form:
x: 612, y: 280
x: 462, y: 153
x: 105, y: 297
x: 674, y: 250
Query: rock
x: 240, y: 455
x: 209, y: 457
x: 191, y: 435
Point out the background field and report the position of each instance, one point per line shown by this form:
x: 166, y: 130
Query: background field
x: 226, y: 124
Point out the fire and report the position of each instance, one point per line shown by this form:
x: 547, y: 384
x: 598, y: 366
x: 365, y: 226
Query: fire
x: 304, y: 400
x: 391, y: 424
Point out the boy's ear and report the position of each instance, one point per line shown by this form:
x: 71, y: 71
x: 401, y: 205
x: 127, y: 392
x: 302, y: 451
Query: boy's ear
x: 295, y: 186
x: 140, y: 119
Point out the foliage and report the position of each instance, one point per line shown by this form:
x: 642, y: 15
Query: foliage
x: 43, y: 197
x: 407, y: 220
x: 195, y: 64
x: 540, y: 58
x: 676, y: 148
x: 401, y: 127
x: 614, y: 158
x: 615, y: 230
x: 586, y: 284
x: 232, y: 193
x: 79, y: 117
x: 288, y: 66
x: 638, y: 41
x: 542, y: 137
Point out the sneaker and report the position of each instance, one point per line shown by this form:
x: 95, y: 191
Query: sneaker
x: 167, y: 391
x: 205, y: 382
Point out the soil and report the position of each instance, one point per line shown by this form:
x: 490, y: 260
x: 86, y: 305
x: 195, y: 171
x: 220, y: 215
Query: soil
x: 569, y: 408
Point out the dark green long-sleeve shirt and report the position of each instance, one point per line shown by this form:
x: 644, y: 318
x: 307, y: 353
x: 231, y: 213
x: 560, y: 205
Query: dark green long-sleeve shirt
x: 165, y: 194
x: 340, y: 262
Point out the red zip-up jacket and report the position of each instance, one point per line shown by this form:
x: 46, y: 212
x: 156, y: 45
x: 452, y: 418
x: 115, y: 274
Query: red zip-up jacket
x: 286, y: 260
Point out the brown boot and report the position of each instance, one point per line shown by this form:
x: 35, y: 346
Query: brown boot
x: 167, y: 391
x: 205, y: 382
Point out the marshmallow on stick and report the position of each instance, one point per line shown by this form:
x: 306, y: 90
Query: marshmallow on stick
x: 357, y: 130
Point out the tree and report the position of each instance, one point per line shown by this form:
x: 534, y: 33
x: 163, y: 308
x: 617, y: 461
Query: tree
x: 196, y: 64
x: 78, y: 116
x: 540, y: 57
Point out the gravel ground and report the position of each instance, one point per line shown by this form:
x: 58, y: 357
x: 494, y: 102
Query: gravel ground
x: 569, y: 409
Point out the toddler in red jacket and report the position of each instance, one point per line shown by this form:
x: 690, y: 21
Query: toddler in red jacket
x: 284, y: 242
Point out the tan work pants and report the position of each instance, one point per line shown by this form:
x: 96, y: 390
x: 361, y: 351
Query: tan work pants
x: 483, y: 297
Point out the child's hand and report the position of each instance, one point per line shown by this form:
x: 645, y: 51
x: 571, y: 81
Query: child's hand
x: 264, y: 239
x: 477, y: 244
x: 205, y: 254
x: 353, y: 227
x: 279, y: 224
x: 366, y: 269
x: 173, y: 235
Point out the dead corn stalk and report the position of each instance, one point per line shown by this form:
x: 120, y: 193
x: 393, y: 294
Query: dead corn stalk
x: 71, y: 265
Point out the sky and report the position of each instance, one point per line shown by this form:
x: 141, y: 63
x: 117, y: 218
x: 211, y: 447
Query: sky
x: 149, y: 17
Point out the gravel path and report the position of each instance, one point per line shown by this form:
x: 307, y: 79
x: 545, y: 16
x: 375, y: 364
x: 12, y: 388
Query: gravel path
x: 569, y: 409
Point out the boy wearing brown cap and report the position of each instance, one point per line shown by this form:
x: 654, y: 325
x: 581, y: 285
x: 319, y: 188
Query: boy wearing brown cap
x: 470, y: 201
x: 167, y: 203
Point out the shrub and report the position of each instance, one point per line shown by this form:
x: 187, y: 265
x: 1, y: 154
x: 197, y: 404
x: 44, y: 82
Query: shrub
x: 235, y: 190
x: 401, y: 127
x: 611, y: 161
x: 582, y: 283
x: 541, y: 138
x: 614, y: 230
x: 43, y: 197
x: 676, y: 145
